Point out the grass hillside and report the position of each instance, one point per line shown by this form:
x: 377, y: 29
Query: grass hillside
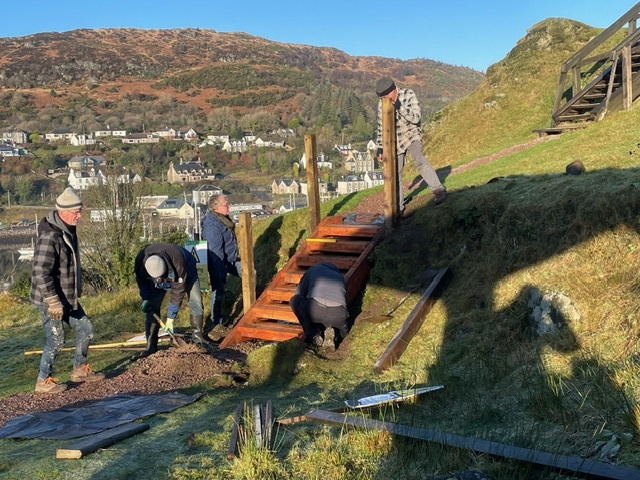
x: 509, y: 228
x: 515, y: 97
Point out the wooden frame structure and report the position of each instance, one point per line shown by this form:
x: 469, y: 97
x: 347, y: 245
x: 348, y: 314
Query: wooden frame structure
x: 615, y: 76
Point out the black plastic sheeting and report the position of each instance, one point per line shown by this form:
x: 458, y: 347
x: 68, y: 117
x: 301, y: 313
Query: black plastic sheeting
x: 94, y: 417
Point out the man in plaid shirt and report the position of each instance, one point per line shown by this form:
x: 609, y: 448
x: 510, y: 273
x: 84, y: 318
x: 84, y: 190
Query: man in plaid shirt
x: 408, y: 136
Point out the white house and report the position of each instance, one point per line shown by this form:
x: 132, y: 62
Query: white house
x: 321, y: 162
x: 218, y: 137
x: 235, y: 146
x: 140, y: 138
x: 15, y: 136
x: 60, y: 133
x: 82, y: 139
x: 110, y: 133
x: 83, y: 179
x: 175, y: 207
x: 203, y: 193
x: 85, y: 161
x: 373, y: 179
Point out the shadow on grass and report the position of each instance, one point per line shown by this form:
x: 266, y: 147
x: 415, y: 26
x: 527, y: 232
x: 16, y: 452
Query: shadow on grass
x: 486, y: 234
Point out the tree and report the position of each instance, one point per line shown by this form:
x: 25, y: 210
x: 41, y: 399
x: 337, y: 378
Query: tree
x: 112, y: 242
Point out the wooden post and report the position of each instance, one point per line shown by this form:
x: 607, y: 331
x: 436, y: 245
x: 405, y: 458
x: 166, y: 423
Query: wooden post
x: 577, y: 76
x: 627, y: 80
x: 391, y: 207
x: 313, y: 194
x: 245, y: 244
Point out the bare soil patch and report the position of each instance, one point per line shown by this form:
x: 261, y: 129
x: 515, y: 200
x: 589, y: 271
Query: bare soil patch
x: 166, y: 370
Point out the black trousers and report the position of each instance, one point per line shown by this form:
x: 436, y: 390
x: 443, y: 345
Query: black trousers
x: 315, y: 317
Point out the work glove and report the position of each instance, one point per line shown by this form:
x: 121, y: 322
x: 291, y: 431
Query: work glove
x: 146, y: 307
x: 168, y: 325
x: 55, y: 309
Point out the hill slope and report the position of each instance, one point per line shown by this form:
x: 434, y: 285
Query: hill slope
x: 203, y: 69
x: 515, y: 97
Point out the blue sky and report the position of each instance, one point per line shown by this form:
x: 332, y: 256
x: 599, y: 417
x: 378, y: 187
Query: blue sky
x: 475, y: 33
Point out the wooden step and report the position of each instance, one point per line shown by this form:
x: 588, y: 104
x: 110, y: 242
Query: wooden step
x: 280, y: 294
x: 344, y: 230
x: 271, y: 311
x: 339, y: 246
x: 348, y: 245
x: 342, y: 262
x: 277, y: 332
x: 575, y: 118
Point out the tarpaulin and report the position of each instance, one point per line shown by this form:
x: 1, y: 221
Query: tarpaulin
x: 94, y: 417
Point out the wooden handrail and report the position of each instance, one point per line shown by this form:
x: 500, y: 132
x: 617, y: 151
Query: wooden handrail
x: 629, y: 17
x: 579, y: 59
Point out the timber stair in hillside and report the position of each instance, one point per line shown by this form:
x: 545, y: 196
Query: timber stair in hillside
x: 612, y: 78
x: 347, y: 241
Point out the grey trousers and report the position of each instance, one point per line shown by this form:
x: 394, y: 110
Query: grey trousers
x: 424, y: 167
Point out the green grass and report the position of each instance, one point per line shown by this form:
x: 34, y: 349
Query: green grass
x: 533, y: 226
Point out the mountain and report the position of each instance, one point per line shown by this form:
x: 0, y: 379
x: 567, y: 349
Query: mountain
x: 94, y: 77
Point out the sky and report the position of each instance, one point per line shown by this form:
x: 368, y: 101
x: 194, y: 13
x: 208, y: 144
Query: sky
x: 473, y: 34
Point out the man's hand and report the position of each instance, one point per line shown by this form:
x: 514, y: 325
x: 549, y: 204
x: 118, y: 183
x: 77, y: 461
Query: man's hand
x: 54, y: 308
x: 146, y: 307
x: 168, y: 326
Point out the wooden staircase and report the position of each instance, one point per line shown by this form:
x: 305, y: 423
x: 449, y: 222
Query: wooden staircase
x: 346, y: 241
x: 613, y: 77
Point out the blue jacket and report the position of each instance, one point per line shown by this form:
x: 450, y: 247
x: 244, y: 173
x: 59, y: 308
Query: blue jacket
x: 222, y: 246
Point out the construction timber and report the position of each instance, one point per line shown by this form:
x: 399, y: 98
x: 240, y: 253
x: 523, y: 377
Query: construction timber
x: 347, y: 241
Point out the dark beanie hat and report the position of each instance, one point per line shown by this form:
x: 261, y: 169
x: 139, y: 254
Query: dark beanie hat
x: 68, y: 200
x: 384, y: 86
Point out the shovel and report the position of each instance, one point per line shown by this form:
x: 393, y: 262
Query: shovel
x: 388, y: 315
x: 178, y: 341
x: 422, y: 278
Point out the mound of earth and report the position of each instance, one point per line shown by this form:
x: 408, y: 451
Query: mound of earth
x: 166, y: 370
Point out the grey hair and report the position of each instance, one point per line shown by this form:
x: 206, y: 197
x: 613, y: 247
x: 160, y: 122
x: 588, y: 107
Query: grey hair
x: 216, y: 200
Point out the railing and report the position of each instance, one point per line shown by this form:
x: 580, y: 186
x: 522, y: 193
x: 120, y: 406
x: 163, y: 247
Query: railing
x: 579, y: 60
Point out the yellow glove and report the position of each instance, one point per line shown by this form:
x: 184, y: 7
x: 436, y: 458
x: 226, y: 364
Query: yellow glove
x: 168, y: 326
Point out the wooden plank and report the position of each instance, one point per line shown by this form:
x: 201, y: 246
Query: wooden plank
x: 342, y: 262
x: 91, y: 443
x: 274, y: 311
x: 562, y: 463
x: 414, y: 321
x: 313, y: 193
x: 276, y: 332
x: 268, y: 425
x: 235, y: 431
x: 341, y: 246
x: 257, y: 422
x: 280, y: 294
x: 245, y: 246
x: 346, y: 230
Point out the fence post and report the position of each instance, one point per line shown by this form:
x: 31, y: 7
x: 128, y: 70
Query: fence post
x: 313, y: 194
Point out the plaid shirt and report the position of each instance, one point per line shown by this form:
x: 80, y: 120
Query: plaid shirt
x: 408, y: 120
x: 56, y: 263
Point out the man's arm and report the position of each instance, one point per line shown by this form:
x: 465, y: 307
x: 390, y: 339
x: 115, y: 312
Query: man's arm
x: 45, y: 258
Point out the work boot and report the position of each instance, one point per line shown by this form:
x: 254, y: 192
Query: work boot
x: 197, y: 335
x: 329, y: 338
x: 50, y: 385
x: 440, y: 195
x: 151, y: 329
x: 83, y: 373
